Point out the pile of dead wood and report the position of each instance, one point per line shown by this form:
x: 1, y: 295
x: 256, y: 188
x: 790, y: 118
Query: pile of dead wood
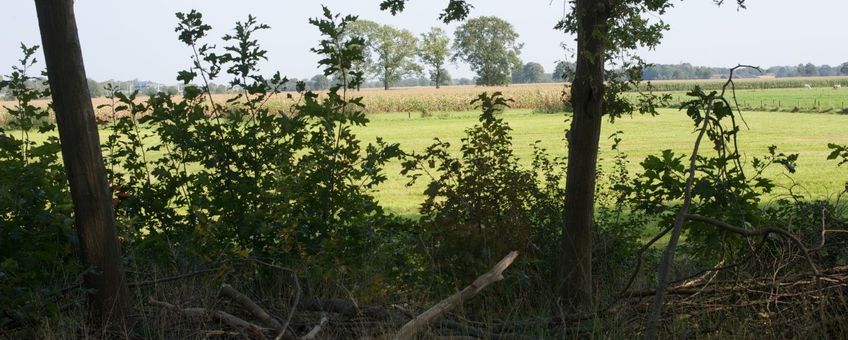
x: 331, y: 318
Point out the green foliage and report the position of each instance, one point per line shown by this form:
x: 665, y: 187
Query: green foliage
x: 483, y: 203
x: 489, y: 45
x: 434, y: 50
x: 239, y: 179
x: 319, y: 82
x: 530, y: 73
x: 721, y: 190
x: 476, y: 206
x: 564, y: 71
x: 95, y: 89
x: 839, y: 153
x: 389, y: 51
x: 36, y: 239
x: 456, y: 10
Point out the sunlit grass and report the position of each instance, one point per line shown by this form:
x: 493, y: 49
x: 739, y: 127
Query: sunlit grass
x: 806, y: 134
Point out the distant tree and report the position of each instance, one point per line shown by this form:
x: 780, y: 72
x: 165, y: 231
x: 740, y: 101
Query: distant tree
x: 95, y: 89
x: 810, y: 70
x: 515, y: 73
x: 434, y: 50
x: 826, y: 71
x: 807, y: 70
x: 364, y: 29
x: 564, y: 71
x: 390, y: 51
x: 464, y: 81
x: 319, y: 82
x: 489, y: 45
x: 843, y: 69
x: 703, y: 73
x: 445, y: 77
x: 149, y: 91
x: 782, y: 71
x: 532, y: 72
x: 171, y: 90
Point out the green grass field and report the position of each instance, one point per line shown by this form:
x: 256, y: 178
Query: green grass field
x: 807, y: 134
x: 819, y: 99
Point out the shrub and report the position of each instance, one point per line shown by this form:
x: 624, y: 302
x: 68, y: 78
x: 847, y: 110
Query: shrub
x: 37, y: 243
x: 200, y: 179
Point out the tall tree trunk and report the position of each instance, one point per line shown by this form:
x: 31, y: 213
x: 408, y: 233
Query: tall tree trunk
x: 92, y: 199
x: 588, y: 102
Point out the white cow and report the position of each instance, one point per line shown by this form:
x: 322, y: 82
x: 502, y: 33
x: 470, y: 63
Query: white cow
x: 808, y: 87
x: 836, y: 86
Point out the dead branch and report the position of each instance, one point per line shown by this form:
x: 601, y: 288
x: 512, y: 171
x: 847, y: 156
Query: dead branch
x: 298, y: 292
x: 668, y: 254
x: 317, y: 329
x: 759, y: 232
x: 424, y: 319
x: 248, y: 304
x: 229, y: 319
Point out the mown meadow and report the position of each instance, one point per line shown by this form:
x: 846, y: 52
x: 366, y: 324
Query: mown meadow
x: 806, y: 134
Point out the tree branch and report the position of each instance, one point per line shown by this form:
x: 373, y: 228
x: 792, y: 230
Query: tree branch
x: 421, y: 321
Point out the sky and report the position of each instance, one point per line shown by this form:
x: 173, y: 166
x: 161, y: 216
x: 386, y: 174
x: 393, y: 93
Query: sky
x: 123, y: 39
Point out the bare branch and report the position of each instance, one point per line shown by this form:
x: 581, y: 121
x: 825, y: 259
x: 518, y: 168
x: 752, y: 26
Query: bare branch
x: 421, y: 321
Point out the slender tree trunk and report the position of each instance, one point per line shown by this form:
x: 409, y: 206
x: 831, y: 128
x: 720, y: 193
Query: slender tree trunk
x: 92, y: 199
x: 587, y: 100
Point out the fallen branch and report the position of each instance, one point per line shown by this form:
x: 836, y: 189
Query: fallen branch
x: 284, y: 327
x: 229, y: 319
x: 317, y: 329
x: 421, y: 321
x: 250, y: 306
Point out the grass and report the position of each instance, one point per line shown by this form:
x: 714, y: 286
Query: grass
x: 788, y: 100
x: 807, y: 134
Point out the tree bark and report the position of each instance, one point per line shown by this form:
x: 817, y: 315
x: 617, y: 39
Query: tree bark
x: 587, y: 98
x: 93, y: 214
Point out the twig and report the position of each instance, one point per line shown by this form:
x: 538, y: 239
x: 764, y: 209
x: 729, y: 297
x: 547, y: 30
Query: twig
x: 421, y: 321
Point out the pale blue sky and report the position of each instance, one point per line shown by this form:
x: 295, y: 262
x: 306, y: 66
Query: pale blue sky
x: 125, y: 39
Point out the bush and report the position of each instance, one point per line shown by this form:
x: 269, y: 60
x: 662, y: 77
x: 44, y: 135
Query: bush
x: 37, y: 243
x: 197, y: 180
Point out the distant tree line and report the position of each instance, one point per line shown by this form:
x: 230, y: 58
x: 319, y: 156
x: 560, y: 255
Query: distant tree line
x: 687, y: 71
x: 396, y: 57
x: 526, y: 73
